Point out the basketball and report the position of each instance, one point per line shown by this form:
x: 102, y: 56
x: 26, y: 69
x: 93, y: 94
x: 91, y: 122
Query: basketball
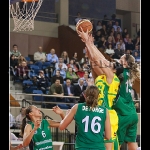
x: 85, y: 24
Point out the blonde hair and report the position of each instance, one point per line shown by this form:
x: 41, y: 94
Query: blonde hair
x: 133, y: 68
x: 91, y: 94
x: 62, y: 54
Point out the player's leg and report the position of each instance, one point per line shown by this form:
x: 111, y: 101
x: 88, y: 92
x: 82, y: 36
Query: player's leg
x: 131, y: 135
x: 109, y: 146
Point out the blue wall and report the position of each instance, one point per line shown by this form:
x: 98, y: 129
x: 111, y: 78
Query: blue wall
x: 92, y: 8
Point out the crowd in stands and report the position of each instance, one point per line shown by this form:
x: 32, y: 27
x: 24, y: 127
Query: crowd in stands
x: 61, y: 75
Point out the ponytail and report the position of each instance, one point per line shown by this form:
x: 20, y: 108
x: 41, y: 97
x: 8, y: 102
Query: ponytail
x: 23, y: 125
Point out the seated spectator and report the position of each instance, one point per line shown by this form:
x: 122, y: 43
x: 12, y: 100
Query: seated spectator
x: 69, y: 91
x: 136, y: 50
x: 11, y: 121
x: 52, y: 58
x: 20, y: 117
x: 137, y: 41
x: 57, y: 76
x: 97, y: 37
x: 116, y: 26
x: 64, y: 66
x: 136, y: 56
x: 104, y: 31
x: 124, y: 33
x: 128, y: 51
x: 110, y: 51
x: 61, y: 70
x: 85, y: 59
x: 84, y: 78
x: 15, y: 51
x: 56, y: 89
x: 39, y: 57
x: 86, y: 67
x: 75, y: 59
x: 42, y: 82
x: 130, y: 45
x: 78, y: 18
x: 80, y: 73
x: 122, y: 44
x: 79, y: 88
x: 94, y: 27
x: 109, y: 26
x: 110, y: 41
x: 99, y: 25
x: 21, y: 59
x: 117, y: 37
x: 22, y: 71
x: 113, y: 37
x: 73, y: 66
x: 70, y: 74
x: 118, y: 32
x: 65, y: 57
x: 102, y: 43
x: 13, y: 61
x: 118, y: 52
x: 126, y: 39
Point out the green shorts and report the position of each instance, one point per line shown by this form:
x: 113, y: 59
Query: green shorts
x: 90, y: 149
x: 127, y: 128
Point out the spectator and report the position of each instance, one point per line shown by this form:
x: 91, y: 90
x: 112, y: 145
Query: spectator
x: 109, y: 26
x: 62, y: 71
x: 110, y: 51
x: 102, y: 43
x: 122, y: 45
x: 105, y: 20
x: 21, y: 59
x: 79, y: 88
x: 65, y: 57
x: 130, y: 45
x: 52, y: 58
x: 110, y: 41
x: 75, y: 57
x: 99, y: 25
x: 116, y: 26
x: 97, y: 37
x: 137, y: 50
x: 56, y: 89
x: 104, y: 31
x: 124, y: 33
x: 85, y: 59
x: 72, y: 65
x: 13, y: 61
x: 126, y: 39
x: 118, y: 52
x: 20, y: 117
x: 86, y: 67
x: 128, y: 51
x: 94, y: 27
x: 12, y: 121
x: 70, y: 74
x: 80, y: 73
x: 69, y: 91
x: 118, y: 37
x: 137, y: 41
x: 39, y: 57
x: 85, y: 79
x: 42, y: 82
x: 136, y: 56
x: 64, y: 66
x: 57, y: 76
x: 78, y: 18
x: 15, y: 51
x: 118, y: 32
x: 22, y: 71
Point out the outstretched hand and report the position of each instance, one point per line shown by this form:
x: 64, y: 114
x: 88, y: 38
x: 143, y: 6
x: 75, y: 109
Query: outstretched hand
x: 57, y: 110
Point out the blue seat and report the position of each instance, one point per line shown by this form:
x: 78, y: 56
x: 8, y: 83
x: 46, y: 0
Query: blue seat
x: 27, y: 82
x: 63, y: 106
x: 30, y: 89
x: 27, y: 58
x: 38, y: 98
x: 35, y: 69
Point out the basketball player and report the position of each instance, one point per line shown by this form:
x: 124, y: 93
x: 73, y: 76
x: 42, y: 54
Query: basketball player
x: 124, y: 104
x: 108, y: 84
x: 92, y: 122
x: 38, y: 130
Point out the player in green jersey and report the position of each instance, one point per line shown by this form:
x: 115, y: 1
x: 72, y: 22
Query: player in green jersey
x: 93, y: 122
x: 124, y: 105
x: 38, y: 129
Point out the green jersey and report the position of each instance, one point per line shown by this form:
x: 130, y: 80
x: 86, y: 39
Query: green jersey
x: 124, y: 105
x: 42, y: 139
x: 90, y: 126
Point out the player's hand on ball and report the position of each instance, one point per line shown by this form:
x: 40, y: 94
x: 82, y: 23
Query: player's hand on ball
x: 84, y: 35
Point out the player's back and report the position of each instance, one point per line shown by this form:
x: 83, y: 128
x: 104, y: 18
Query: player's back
x: 90, y: 126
